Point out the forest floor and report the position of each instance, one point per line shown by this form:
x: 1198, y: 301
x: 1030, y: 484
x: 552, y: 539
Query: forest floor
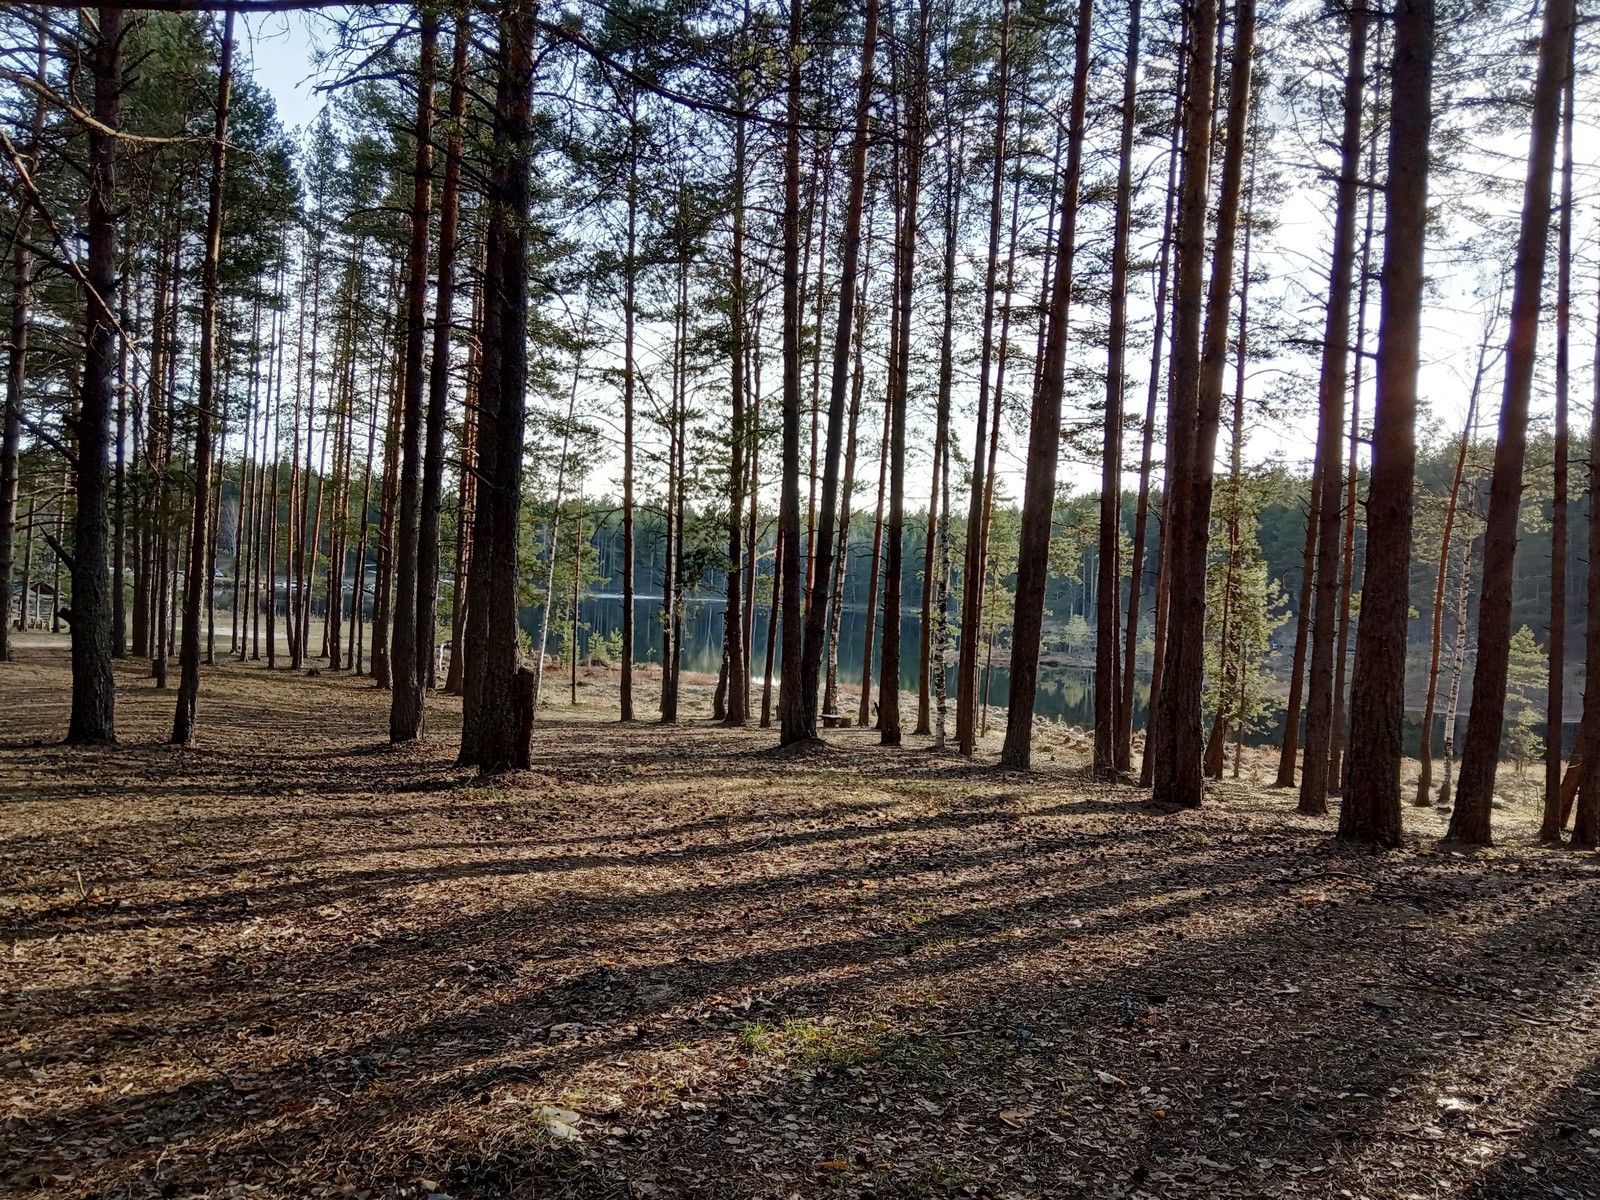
x: 294, y: 961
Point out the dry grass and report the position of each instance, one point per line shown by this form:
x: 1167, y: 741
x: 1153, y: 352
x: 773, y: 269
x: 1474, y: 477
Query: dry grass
x: 294, y: 961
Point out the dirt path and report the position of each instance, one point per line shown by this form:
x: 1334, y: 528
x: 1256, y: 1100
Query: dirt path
x: 295, y: 962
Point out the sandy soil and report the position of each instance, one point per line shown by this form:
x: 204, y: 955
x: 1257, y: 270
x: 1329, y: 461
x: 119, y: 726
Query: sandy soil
x: 294, y: 961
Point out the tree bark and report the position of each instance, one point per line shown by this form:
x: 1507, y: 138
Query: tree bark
x: 405, y: 696
x: 198, y: 582
x: 796, y: 722
x: 816, y: 621
x: 1551, y: 822
x: 736, y: 699
x: 1183, y: 369
x: 972, y: 568
x: 489, y: 715
x: 1107, y: 706
x: 94, y: 694
x: 11, y: 417
x: 830, y: 691
x: 439, y: 371
x: 466, y: 485
x: 1586, y: 820
x: 1178, y: 778
x: 629, y: 321
x: 1141, y: 519
x: 1330, y: 426
x: 1469, y: 822
x: 1044, y: 434
x: 1371, y: 809
x: 900, y: 382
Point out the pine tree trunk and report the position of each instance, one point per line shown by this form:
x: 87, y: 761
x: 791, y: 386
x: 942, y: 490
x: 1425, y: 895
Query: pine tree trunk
x: 630, y: 273
x: 1586, y: 820
x: 466, y: 484
x: 94, y: 698
x: 1141, y: 519
x: 864, y: 705
x: 383, y: 582
x: 492, y: 696
x: 936, y: 630
x: 428, y: 535
x: 1178, y: 779
x: 1341, y: 656
x: 1550, y: 824
x: 405, y: 696
x: 774, y: 617
x: 972, y: 568
x: 198, y: 583
x: 1371, y: 809
x: 736, y: 701
x: 1107, y: 667
x: 900, y: 383
x: 796, y: 722
x: 1197, y: 99
x: 1330, y: 427
x: 1469, y: 822
x: 1044, y: 434
x: 830, y: 691
x: 816, y: 621
x: 11, y: 417
x: 1233, y: 672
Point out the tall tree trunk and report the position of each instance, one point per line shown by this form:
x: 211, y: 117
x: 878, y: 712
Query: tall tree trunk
x: 1141, y: 519
x: 1330, y: 426
x: 11, y: 417
x: 1469, y: 822
x: 1107, y: 709
x: 357, y: 606
x: 272, y: 510
x: 1231, y: 681
x: 1550, y: 824
x: 1586, y: 820
x: 774, y: 616
x: 1178, y: 779
x: 1044, y: 434
x: 752, y: 540
x: 405, y: 697
x: 1347, y: 566
x: 630, y: 273
x: 428, y: 534
x: 491, y: 710
x: 900, y: 383
x: 466, y: 499
x: 816, y: 626
x: 830, y: 692
x: 94, y: 697
x: 671, y: 568
x: 198, y: 582
x: 737, y: 697
x: 1371, y: 809
x: 935, y: 628
x: 869, y: 629
x: 796, y: 723
x: 972, y: 566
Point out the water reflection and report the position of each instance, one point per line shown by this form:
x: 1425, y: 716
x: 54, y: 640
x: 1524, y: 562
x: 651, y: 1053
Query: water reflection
x: 1066, y: 693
